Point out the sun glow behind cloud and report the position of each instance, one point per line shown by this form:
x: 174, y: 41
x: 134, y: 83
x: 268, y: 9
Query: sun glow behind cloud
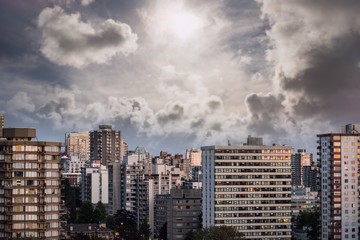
x: 172, y: 20
x: 183, y: 24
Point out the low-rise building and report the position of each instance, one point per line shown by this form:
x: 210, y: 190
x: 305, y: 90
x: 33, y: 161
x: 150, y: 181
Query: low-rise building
x: 92, y: 230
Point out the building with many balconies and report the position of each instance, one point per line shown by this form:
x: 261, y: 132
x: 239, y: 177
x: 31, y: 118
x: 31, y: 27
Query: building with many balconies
x: 30, y: 190
x: 248, y: 187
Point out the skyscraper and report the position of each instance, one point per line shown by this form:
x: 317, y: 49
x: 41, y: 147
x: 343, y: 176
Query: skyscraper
x: 248, y: 187
x: 94, y: 185
x: 78, y: 144
x: 339, y: 159
x: 194, y: 155
x: 29, y: 186
x: 299, y: 162
x: 108, y: 146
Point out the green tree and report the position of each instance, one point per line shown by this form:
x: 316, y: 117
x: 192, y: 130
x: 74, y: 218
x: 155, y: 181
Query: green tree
x: 216, y: 233
x: 110, y: 222
x: 72, y: 200
x: 80, y: 236
x: 125, y: 225
x: 86, y: 212
x: 163, y: 232
x: 310, y: 221
x: 99, y: 214
x: 144, y: 230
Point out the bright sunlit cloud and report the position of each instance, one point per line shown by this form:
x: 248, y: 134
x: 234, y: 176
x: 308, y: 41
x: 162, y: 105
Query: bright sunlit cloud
x: 172, y: 20
x: 183, y: 24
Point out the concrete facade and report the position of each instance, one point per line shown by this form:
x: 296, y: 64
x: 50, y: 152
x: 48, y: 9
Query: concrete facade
x: 30, y: 189
x: 180, y: 210
x: 339, y: 159
x: 248, y: 187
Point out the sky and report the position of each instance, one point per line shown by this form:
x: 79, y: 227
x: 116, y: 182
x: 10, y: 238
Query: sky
x: 172, y: 75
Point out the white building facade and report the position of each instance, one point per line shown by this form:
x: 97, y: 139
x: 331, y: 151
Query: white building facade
x: 95, y: 184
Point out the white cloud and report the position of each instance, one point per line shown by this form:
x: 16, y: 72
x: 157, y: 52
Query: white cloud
x: 86, y: 2
x: 20, y: 102
x: 67, y: 40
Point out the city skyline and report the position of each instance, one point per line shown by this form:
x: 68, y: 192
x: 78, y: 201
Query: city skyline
x: 176, y: 75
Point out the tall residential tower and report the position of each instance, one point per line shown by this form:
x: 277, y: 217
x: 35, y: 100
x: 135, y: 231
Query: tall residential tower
x: 108, y: 146
x: 339, y: 159
x: 29, y: 186
x: 248, y: 187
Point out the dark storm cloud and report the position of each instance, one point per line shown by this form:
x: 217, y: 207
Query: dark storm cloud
x: 198, y: 123
x: 173, y: 113
x: 266, y: 112
x: 55, y: 106
x: 333, y: 75
x: 315, y: 47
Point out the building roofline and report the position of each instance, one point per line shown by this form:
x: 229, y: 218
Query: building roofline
x: 276, y: 146
x: 338, y: 134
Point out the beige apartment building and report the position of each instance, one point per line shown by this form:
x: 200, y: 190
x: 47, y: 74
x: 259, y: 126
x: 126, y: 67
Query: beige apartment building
x: 30, y: 189
x: 339, y: 158
x: 248, y: 187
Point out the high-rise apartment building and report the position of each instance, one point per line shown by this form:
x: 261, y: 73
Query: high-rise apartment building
x: 194, y: 155
x: 301, y: 161
x: 78, y: 144
x: 339, y: 160
x: 71, y: 169
x: 94, y: 185
x: 311, y: 177
x: 30, y: 189
x: 108, y: 146
x: 248, y: 187
x: 180, y: 210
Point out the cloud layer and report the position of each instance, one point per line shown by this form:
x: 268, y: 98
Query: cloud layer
x: 67, y: 40
x: 284, y: 70
x: 315, y: 56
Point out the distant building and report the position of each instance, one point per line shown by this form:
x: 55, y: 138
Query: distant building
x: 2, y: 121
x: 339, y: 159
x: 196, y: 172
x: 311, y: 177
x: 95, y: 183
x: 301, y: 161
x: 30, y: 190
x: 248, y: 187
x: 71, y: 169
x: 254, y: 141
x: 78, y: 144
x: 93, y: 231
x: 181, y: 211
x: 194, y: 155
x: 303, y: 199
x: 143, y: 177
x: 109, y: 147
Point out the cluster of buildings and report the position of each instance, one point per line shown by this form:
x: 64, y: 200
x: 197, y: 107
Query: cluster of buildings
x: 100, y: 163
x: 258, y: 189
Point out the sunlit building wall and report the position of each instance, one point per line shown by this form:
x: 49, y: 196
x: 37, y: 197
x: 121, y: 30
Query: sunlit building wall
x: 78, y: 145
x: 339, y: 161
